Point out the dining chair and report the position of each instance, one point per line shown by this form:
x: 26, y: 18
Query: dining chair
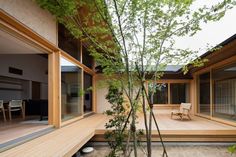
x: 16, y: 105
x: 2, y: 110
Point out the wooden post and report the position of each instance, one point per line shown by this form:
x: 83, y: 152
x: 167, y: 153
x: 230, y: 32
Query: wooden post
x: 54, y: 90
x: 168, y: 93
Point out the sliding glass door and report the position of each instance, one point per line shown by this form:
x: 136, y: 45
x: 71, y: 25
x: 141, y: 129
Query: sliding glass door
x: 204, y: 94
x: 71, y: 90
x: 224, y: 97
x: 88, y: 92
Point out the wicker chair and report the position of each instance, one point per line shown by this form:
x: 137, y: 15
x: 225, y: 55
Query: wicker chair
x: 183, y: 111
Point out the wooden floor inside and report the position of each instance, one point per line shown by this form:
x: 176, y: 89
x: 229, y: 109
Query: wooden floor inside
x: 17, y: 128
x: 67, y: 140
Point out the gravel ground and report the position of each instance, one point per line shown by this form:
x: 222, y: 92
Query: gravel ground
x: 173, y: 151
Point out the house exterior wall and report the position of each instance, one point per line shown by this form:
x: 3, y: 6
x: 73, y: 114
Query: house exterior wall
x: 101, y: 90
x: 31, y: 15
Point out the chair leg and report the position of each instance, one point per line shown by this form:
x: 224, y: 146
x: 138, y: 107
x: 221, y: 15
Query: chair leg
x: 9, y: 110
x: 181, y: 117
x: 23, y: 113
x: 4, y: 115
x: 171, y: 115
x: 189, y: 117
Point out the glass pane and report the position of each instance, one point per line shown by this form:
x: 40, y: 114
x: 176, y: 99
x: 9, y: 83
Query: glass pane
x: 88, y: 96
x: 68, y: 43
x: 179, y: 93
x: 87, y: 58
x: 204, y: 94
x: 71, y: 105
x: 161, y: 94
x: 224, y: 100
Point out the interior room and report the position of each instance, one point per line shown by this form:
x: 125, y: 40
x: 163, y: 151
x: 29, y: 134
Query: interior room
x: 23, y: 88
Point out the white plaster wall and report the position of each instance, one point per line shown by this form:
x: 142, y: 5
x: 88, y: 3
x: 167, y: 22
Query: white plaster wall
x: 30, y: 14
x: 102, y: 103
x: 33, y: 66
x: 101, y: 92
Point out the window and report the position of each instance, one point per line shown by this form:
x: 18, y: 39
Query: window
x: 68, y: 43
x: 71, y: 87
x: 161, y: 94
x: 88, y: 93
x: 204, y: 93
x: 87, y: 58
x: 171, y: 93
x: 179, y: 93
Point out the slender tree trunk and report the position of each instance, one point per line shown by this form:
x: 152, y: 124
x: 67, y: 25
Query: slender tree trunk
x: 145, y: 119
x: 127, y: 148
x: 150, y: 127
x: 133, y: 128
x: 164, y: 154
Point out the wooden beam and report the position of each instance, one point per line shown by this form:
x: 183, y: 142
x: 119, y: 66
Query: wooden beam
x: 217, y: 65
x: 14, y: 25
x: 76, y: 62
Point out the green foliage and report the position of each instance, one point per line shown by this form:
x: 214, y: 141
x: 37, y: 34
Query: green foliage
x: 232, y: 149
x: 115, y: 135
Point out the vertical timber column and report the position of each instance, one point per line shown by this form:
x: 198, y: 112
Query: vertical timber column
x: 54, y: 89
x: 168, y: 94
x: 196, y: 94
x: 193, y: 95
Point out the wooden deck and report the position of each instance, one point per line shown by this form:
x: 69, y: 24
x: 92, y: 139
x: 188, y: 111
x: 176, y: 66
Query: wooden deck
x: 61, y: 142
x: 197, y: 129
x: 67, y: 140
